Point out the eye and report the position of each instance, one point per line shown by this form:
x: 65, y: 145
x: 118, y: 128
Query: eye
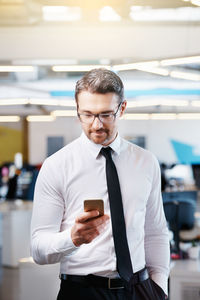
x: 88, y: 115
x: 106, y: 116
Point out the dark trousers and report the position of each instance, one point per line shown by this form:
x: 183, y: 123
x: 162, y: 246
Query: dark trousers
x: 146, y: 290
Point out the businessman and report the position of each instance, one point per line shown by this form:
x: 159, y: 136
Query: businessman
x: 123, y: 254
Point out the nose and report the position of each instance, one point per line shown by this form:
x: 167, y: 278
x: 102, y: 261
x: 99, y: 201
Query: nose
x: 97, y: 124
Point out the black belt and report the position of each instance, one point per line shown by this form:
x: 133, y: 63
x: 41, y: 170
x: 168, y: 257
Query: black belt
x: 110, y: 283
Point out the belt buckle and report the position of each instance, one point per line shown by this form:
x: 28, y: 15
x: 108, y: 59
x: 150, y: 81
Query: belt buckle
x: 113, y: 288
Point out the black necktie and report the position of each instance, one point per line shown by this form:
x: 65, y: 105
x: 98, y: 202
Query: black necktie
x: 124, y: 266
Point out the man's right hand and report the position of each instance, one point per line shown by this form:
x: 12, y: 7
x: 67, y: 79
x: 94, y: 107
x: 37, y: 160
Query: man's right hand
x: 87, y: 227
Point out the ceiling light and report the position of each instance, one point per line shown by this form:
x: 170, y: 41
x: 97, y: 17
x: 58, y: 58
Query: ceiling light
x: 180, y: 61
x: 69, y: 103
x: 36, y: 101
x: 158, y: 71
x: 108, y: 14
x: 162, y: 116
x: 16, y: 69
x: 185, y: 75
x: 17, y: 101
x: 166, y: 14
x: 138, y: 8
x: 78, y: 68
x: 195, y: 2
x: 9, y: 118
x: 127, y: 116
x: 64, y: 113
x: 48, y: 118
x: 135, y: 66
x: 157, y: 102
x: 188, y: 116
x: 61, y: 13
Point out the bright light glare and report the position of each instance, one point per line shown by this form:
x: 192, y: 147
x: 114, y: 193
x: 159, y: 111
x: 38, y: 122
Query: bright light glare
x: 188, y: 116
x: 61, y: 13
x: 158, y: 71
x: 9, y: 118
x: 42, y: 118
x: 107, y: 13
x: 180, y: 61
x: 136, y: 66
x: 136, y: 116
x: 167, y: 14
x: 163, y: 116
x: 195, y: 2
x: 157, y: 102
x: 17, y: 69
x: 17, y: 101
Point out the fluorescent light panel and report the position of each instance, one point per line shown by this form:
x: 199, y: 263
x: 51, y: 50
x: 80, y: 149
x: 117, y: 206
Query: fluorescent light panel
x: 37, y: 101
x: 69, y: 103
x: 135, y: 116
x: 9, y: 119
x: 158, y: 71
x: 16, y: 69
x: 195, y: 2
x: 188, y: 116
x: 162, y: 116
x: 108, y: 14
x: 180, y: 61
x: 42, y: 118
x: 50, y: 102
x: 161, y: 102
x: 61, y: 13
x: 17, y: 101
x: 135, y: 66
x: 167, y: 14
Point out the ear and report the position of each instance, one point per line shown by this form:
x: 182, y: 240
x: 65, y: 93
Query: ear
x: 123, y: 108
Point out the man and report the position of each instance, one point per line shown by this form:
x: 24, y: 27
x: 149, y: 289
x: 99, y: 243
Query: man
x: 94, y: 265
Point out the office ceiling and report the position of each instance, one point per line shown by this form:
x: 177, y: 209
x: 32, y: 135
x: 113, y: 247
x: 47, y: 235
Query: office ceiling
x: 29, y: 12
x: 26, y: 38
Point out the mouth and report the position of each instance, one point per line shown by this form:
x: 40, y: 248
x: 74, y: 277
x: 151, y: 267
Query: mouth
x: 100, y: 132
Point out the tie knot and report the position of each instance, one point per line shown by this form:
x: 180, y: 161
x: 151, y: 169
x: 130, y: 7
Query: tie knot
x: 106, y: 152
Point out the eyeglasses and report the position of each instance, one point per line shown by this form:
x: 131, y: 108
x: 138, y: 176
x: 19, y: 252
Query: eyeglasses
x: 104, y: 118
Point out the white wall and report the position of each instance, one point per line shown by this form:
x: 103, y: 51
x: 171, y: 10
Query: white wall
x: 158, y: 135
x: 39, y: 131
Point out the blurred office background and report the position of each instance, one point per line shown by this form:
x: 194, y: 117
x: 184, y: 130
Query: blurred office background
x: 45, y: 47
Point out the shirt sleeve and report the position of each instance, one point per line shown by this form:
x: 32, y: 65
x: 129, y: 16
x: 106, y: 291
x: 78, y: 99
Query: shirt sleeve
x: 157, y: 251
x: 48, y: 243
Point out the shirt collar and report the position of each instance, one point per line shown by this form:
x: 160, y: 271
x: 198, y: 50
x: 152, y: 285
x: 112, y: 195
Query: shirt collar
x: 96, y: 148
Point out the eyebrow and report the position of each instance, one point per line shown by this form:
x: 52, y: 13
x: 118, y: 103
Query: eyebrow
x: 102, y: 112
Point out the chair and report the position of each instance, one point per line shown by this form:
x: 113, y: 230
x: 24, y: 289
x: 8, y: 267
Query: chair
x: 180, y: 215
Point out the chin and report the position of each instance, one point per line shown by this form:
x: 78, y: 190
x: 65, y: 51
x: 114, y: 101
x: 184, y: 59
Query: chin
x: 98, y: 141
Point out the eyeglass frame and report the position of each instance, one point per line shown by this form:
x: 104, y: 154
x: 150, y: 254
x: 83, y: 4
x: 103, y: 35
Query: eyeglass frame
x: 98, y: 115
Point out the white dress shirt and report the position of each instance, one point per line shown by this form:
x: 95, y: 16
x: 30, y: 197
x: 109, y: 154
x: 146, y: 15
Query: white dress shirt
x: 76, y: 173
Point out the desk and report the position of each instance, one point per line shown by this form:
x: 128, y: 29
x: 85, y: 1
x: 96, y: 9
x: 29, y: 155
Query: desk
x: 185, y: 280
x: 38, y: 282
x: 16, y: 219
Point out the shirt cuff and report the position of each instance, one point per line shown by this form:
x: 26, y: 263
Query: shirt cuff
x: 64, y: 243
x: 162, y: 280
